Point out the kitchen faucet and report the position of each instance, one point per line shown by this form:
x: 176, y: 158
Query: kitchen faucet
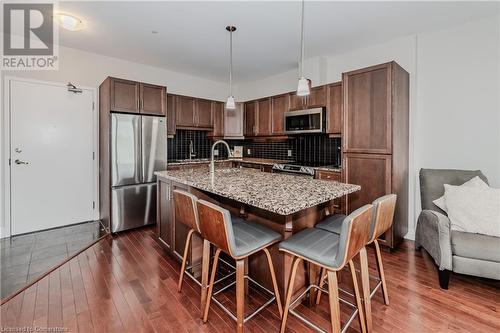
x: 191, y: 150
x: 212, y: 163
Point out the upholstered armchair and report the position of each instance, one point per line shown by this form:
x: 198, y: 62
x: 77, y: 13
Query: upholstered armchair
x: 460, y: 252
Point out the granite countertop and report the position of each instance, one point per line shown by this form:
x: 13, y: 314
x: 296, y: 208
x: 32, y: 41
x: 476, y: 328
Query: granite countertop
x: 278, y: 193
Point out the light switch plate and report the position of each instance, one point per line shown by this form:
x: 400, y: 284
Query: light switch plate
x: 216, y: 152
x: 289, y: 153
x: 248, y: 151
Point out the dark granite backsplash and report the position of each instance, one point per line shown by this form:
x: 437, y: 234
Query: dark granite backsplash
x: 311, y: 149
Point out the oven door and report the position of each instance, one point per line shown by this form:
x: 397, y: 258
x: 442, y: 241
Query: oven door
x: 305, y: 121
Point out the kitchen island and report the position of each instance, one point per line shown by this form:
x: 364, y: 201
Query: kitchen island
x: 282, y: 202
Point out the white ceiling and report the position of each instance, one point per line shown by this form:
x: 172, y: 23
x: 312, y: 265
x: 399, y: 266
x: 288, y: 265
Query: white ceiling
x: 192, y: 37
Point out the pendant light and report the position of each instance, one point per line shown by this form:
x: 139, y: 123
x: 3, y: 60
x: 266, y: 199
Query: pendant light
x: 230, y: 104
x: 303, y: 86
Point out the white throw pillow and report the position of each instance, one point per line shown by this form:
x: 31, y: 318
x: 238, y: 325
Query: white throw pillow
x: 474, y: 209
x: 474, y: 182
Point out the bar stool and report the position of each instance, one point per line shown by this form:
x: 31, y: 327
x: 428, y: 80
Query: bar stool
x: 186, y: 213
x: 331, y: 252
x: 238, y: 240
x: 382, y: 219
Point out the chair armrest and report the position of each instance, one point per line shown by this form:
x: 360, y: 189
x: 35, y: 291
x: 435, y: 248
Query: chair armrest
x: 434, y: 235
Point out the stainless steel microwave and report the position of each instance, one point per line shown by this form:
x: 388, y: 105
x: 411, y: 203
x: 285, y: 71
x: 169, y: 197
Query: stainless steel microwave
x: 305, y: 121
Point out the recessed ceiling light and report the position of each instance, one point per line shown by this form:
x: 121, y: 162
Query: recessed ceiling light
x: 70, y: 22
x: 154, y: 31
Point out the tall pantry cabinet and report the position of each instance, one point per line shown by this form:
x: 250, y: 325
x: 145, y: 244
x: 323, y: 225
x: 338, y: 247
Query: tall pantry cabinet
x: 376, y: 140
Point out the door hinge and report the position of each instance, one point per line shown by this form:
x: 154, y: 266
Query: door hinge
x: 93, y: 155
x: 93, y: 204
x: 9, y: 161
x: 93, y: 106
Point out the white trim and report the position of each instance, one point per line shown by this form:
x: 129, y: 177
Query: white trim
x: 5, y: 226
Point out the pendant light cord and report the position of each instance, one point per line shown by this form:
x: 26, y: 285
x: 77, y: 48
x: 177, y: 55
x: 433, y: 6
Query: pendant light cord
x: 302, y: 41
x: 231, y: 63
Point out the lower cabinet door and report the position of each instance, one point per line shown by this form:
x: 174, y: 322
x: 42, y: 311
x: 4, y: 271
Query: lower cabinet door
x: 372, y: 172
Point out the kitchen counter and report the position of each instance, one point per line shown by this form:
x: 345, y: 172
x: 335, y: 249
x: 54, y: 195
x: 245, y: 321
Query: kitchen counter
x: 278, y: 193
x: 284, y: 203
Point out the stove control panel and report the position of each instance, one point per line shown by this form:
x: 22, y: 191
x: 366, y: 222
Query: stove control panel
x: 304, y: 170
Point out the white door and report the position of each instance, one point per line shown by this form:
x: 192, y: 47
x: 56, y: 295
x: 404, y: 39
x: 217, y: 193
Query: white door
x: 51, y: 151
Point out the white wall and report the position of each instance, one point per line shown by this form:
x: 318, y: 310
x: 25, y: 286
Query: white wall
x: 89, y: 69
x: 454, y: 96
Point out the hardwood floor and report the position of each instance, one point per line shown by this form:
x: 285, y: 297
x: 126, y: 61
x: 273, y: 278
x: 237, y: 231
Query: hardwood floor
x: 127, y: 284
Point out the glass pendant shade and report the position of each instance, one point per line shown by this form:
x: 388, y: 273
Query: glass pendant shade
x: 303, y: 87
x: 230, y: 104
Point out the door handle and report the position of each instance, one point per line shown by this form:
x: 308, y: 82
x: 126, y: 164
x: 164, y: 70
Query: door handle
x: 20, y: 162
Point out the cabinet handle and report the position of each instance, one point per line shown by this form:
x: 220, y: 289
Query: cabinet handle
x: 138, y: 106
x: 142, y: 104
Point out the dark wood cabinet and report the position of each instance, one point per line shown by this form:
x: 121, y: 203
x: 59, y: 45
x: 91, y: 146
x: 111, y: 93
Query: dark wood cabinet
x: 367, y: 107
x: 124, y: 95
x: 279, y: 105
x: 203, y: 113
x: 376, y: 139
x: 218, y: 119
x: 152, y: 99
x: 316, y: 99
x: 372, y: 172
x: 334, y: 109
x: 185, y: 111
x: 136, y: 97
x: 193, y: 113
x: 264, y: 117
x: 171, y: 115
x: 250, y: 118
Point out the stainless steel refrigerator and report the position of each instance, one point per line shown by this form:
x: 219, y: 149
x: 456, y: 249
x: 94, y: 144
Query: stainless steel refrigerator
x: 138, y: 149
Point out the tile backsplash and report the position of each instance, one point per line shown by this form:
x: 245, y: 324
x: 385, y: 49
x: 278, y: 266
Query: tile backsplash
x: 312, y: 149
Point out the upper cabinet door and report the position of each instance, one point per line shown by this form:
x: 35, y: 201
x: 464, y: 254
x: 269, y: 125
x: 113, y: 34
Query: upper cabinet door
x: 264, y: 117
x: 279, y: 106
x: 334, y: 109
x: 367, y: 110
x: 185, y: 111
x: 124, y: 96
x: 218, y: 114
x: 296, y: 102
x: 170, y: 115
x: 233, y: 122
x: 203, y: 113
x: 250, y: 118
x: 152, y: 99
x: 317, y: 97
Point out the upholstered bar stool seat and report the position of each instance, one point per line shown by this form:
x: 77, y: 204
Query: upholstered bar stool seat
x: 239, y: 240
x: 332, y: 252
x: 332, y: 223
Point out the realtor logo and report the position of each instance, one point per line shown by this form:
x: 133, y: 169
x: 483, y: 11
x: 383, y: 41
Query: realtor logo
x: 29, y: 39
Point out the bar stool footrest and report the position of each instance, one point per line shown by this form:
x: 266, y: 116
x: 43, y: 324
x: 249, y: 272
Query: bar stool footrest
x: 251, y: 315
x: 310, y: 323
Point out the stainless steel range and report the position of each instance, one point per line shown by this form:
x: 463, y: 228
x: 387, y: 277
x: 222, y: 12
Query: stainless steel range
x: 293, y: 168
